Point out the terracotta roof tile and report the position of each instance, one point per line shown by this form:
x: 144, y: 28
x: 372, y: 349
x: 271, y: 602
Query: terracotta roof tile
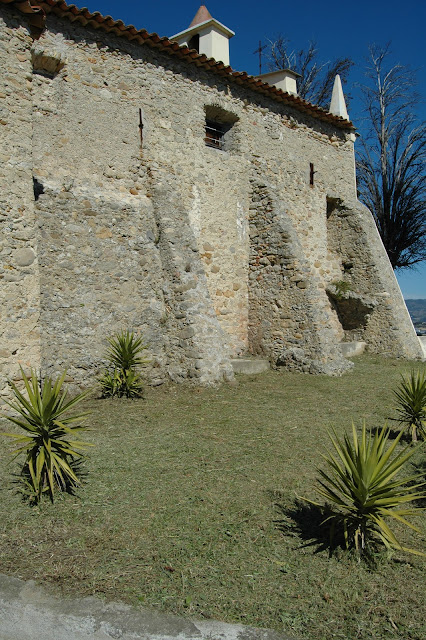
x: 38, y: 9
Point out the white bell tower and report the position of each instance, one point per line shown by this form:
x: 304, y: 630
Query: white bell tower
x: 206, y: 35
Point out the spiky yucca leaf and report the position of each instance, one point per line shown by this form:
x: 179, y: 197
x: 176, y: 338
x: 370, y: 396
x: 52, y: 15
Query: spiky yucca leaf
x: 121, y: 383
x: 49, y: 446
x: 125, y: 351
x: 363, y: 490
x: 411, y: 404
x: 110, y: 382
x: 124, y: 355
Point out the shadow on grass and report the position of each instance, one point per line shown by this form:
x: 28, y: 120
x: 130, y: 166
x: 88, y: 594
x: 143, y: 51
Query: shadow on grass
x: 307, y: 522
x: 394, y: 432
x: 406, y: 429
x: 24, y: 487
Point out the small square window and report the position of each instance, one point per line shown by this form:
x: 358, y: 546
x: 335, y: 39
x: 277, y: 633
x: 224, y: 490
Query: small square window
x: 215, y: 134
x: 218, y: 128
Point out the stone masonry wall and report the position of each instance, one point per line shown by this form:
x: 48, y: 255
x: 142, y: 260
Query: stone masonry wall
x: 372, y: 309
x: 111, y: 217
x: 290, y: 315
x: 19, y: 272
x: 208, y: 253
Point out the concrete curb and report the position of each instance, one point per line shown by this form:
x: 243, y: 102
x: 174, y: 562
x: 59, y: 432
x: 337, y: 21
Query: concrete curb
x: 28, y: 612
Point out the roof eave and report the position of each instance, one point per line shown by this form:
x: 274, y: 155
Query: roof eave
x: 199, y: 27
x: 108, y: 24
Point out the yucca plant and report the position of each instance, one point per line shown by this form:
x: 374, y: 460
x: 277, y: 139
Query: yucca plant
x: 362, y: 491
x: 110, y: 382
x: 51, y: 454
x: 124, y: 356
x: 119, y: 382
x: 411, y: 404
x: 125, y: 351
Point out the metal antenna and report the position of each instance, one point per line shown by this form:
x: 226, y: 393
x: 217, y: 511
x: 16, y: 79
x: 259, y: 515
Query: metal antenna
x: 259, y: 51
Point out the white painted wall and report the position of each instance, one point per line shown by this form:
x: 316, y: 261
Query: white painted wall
x: 214, y: 44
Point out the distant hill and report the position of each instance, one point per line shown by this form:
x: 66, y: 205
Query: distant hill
x: 417, y: 310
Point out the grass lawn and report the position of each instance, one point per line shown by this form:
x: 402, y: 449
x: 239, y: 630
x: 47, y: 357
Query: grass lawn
x: 190, y: 507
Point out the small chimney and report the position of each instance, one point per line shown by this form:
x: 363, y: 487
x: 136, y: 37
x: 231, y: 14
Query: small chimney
x: 284, y: 79
x: 206, y: 35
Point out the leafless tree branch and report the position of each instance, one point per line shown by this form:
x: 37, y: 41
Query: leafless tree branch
x: 391, y: 160
x: 317, y: 77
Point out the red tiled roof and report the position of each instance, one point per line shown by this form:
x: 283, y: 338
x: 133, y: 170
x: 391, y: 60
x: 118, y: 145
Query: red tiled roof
x: 37, y: 9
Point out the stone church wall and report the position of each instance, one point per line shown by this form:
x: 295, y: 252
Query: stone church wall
x: 209, y: 254
x: 19, y: 271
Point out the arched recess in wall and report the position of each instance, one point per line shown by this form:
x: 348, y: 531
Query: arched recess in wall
x: 220, y: 130
x: 352, y: 309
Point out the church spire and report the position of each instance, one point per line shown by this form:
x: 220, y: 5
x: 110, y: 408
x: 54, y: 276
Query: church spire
x: 338, y: 104
x: 202, y: 15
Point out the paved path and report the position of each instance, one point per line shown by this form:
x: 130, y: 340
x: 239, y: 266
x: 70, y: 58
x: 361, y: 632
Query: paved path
x: 28, y: 612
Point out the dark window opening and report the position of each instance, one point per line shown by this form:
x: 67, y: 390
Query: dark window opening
x: 215, y: 134
x: 45, y: 74
x: 37, y: 188
x: 347, y: 266
x: 311, y: 174
x: 334, y: 204
x: 194, y: 43
x: 219, y: 128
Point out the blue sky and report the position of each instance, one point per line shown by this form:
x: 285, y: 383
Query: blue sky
x: 339, y: 29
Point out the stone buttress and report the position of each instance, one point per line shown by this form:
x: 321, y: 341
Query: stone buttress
x: 146, y: 187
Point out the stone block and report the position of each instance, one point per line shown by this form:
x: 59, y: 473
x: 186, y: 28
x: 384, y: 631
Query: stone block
x: 24, y: 257
x: 250, y: 366
x: 351, y: 349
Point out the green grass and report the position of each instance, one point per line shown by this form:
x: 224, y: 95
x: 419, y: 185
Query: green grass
x: 188, y: 508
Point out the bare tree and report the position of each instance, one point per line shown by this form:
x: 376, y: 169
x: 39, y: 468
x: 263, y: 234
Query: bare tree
x: 317, y: 77
x: 391, y: 161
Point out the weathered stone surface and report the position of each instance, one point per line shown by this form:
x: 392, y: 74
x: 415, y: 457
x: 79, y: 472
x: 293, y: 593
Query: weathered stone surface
x: 19, y: 278
x: 422, y: 340
x: 350, y: 349
x: 24, y: 257
x: 209, y: 254
x: 250, y: 366
x: 28, y: 611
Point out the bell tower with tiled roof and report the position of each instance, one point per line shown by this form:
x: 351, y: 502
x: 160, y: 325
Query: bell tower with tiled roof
x: 206, y: 35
